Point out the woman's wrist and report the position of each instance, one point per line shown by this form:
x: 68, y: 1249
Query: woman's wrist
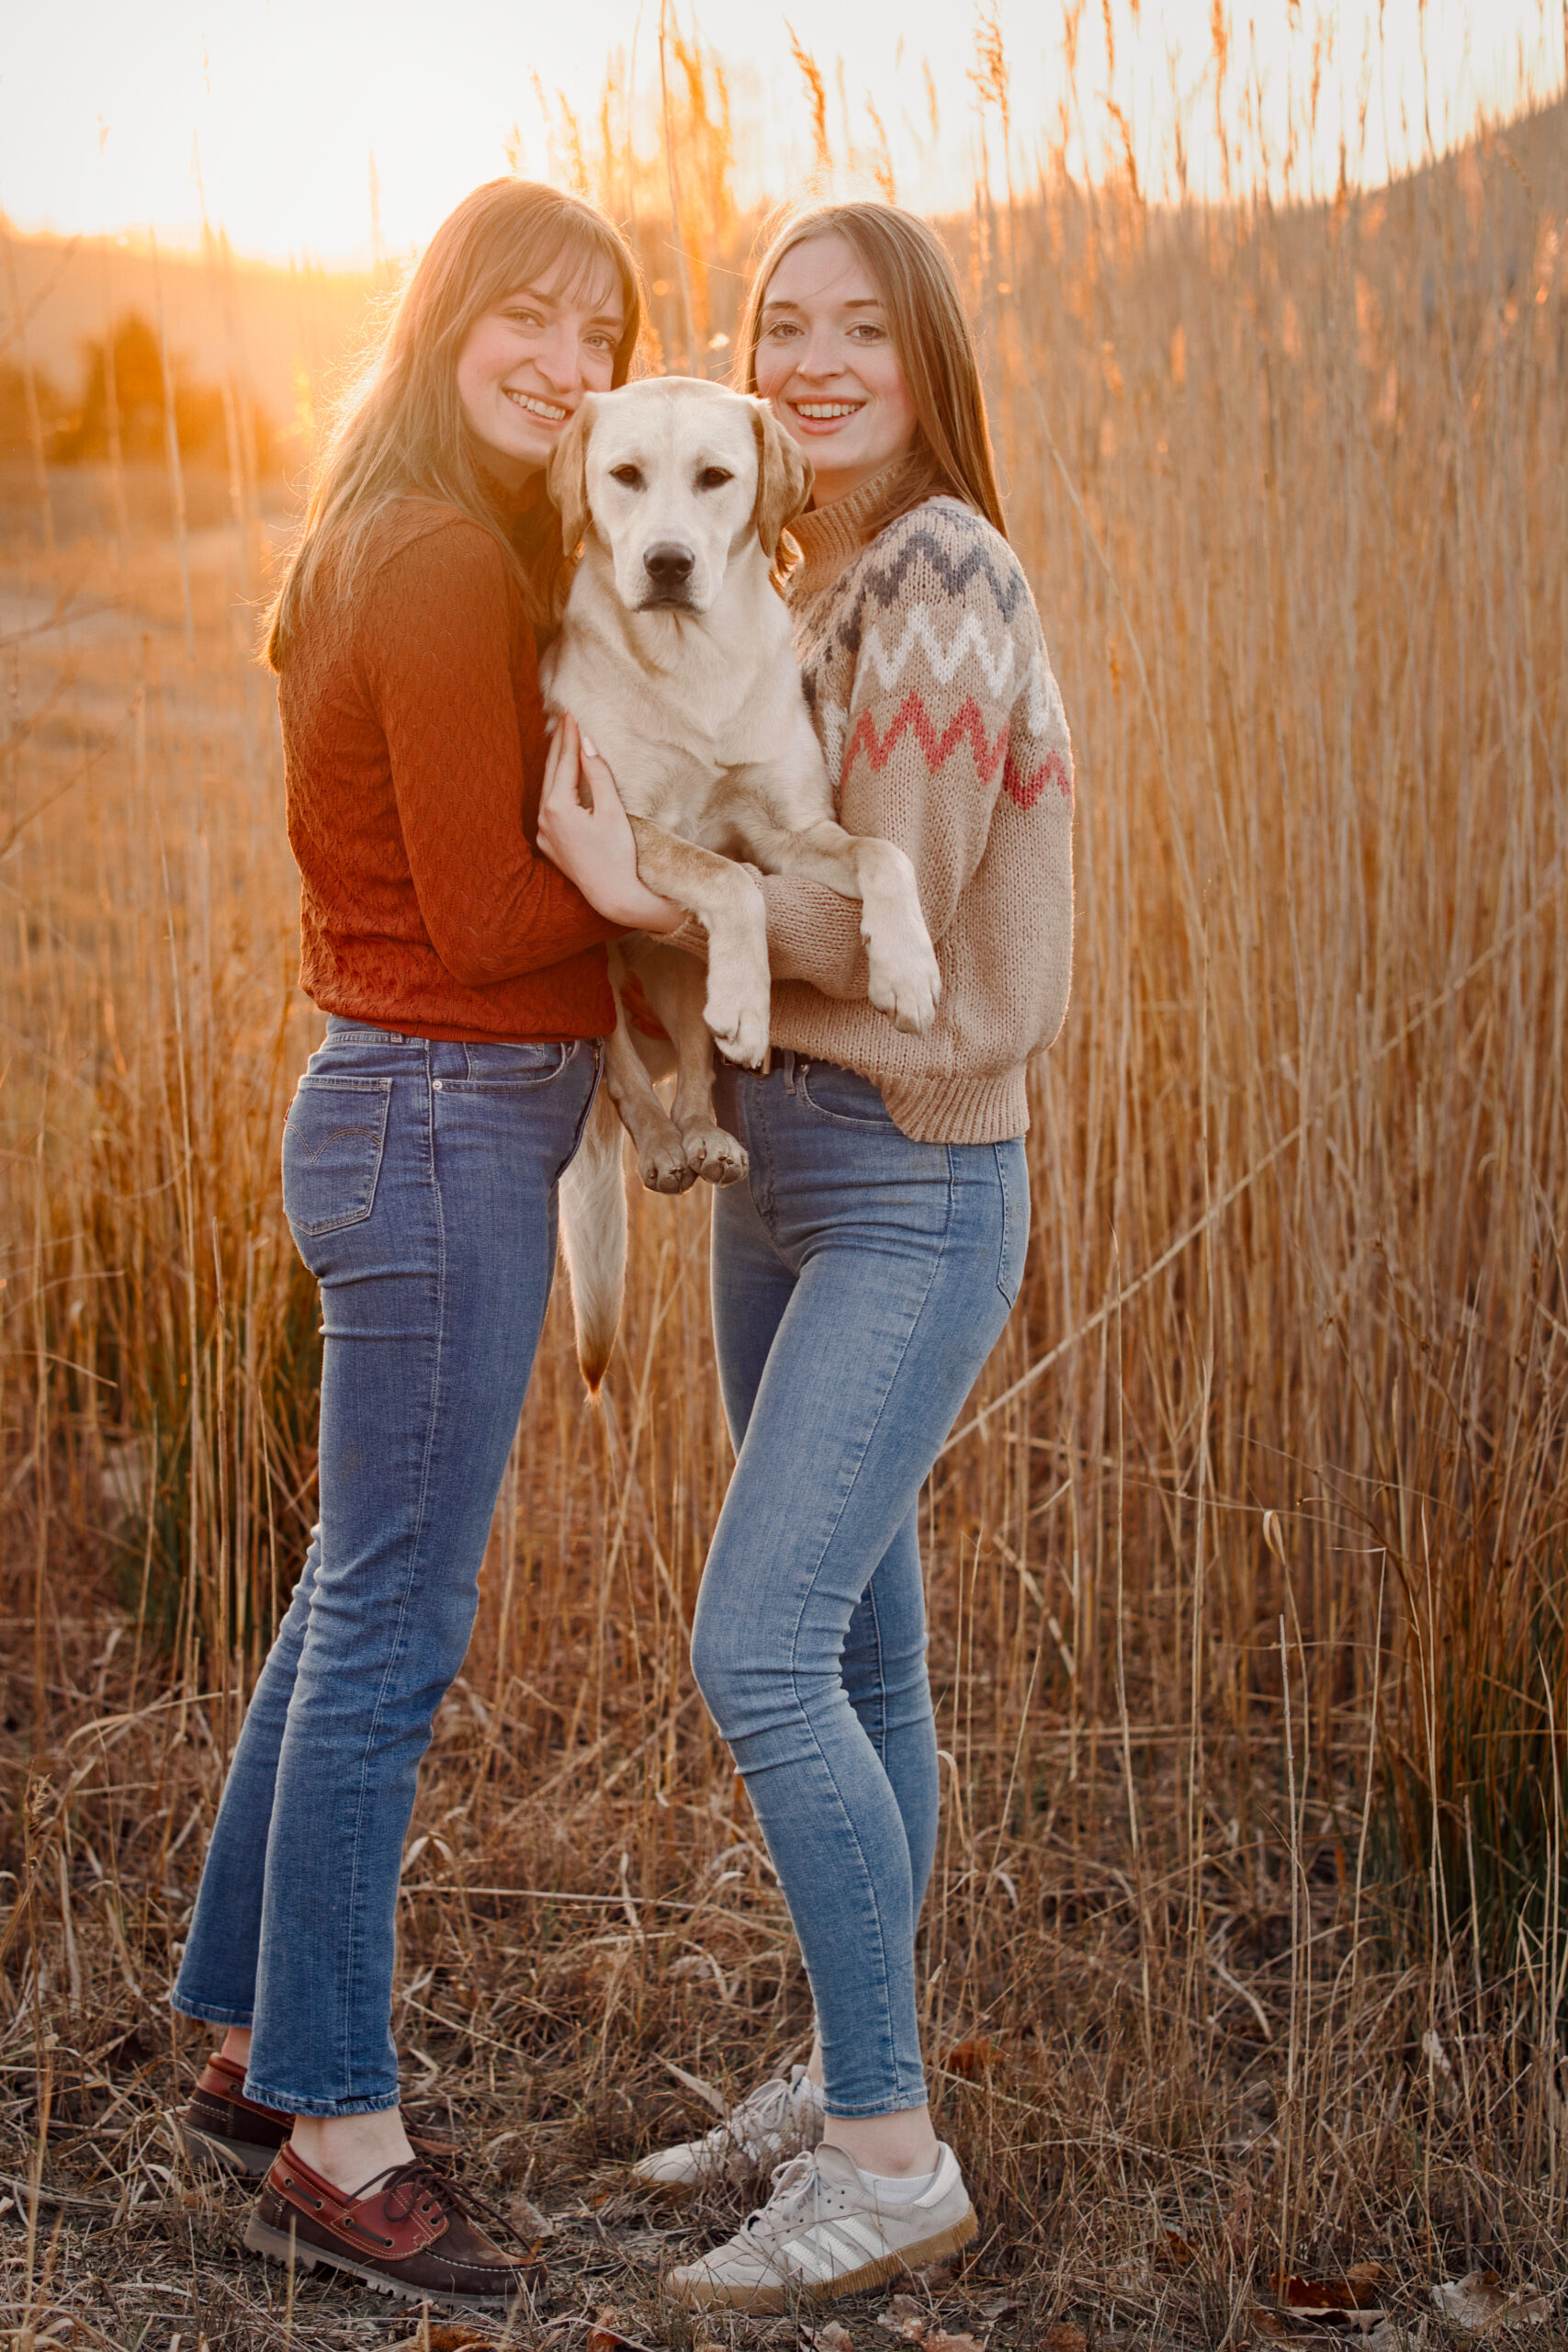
x: 660, y: 916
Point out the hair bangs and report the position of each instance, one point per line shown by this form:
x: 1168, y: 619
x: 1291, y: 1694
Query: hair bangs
x: 577, y: 257
x: 401, y: 432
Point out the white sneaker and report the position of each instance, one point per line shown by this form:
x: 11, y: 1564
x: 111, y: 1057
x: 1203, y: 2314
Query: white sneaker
x: 822, y: 2234
x: 773, y: 2120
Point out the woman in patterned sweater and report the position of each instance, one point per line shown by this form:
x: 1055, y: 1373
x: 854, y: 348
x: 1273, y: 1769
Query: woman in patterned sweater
x: 864, y: 1270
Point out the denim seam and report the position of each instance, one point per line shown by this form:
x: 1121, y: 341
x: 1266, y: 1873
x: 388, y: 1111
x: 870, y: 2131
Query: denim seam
x: 354, y: 1939
x: 881, y: 1673
x: 1009, y: 1216
x: 587, y: 1108
x: 289, y: 2102
x: 767, y: 1204
x: 866, y: 1871
x: 210, y: 2012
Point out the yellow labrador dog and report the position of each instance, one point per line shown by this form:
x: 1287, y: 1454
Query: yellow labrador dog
x: 674, y: 657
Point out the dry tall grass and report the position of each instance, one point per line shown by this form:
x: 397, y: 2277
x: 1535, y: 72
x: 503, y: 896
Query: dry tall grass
x: 1246, y: 1951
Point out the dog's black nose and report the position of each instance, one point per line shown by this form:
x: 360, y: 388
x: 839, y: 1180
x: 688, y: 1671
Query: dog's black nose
x: 668, y: 565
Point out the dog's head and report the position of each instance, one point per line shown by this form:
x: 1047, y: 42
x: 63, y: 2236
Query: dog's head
x: 676, y: 479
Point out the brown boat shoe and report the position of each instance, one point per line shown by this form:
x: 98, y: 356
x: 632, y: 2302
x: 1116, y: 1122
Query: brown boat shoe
x: 410, y: 2230
x: 225, y: 2131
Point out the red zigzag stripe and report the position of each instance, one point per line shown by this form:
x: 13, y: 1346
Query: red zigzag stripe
x: 966, y: 725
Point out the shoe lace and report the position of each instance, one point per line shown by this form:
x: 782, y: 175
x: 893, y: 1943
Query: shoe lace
x: 403, y: 2186
x: 791, y: 2200
x: 762, y: 2111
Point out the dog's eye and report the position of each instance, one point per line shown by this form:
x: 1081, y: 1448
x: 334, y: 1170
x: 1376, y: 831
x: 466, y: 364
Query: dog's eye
x: 629, y: 476
x: 714, y: 478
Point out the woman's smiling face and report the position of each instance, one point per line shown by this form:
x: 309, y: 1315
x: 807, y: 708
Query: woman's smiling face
x: 526, y: 364
x: 827, y: 366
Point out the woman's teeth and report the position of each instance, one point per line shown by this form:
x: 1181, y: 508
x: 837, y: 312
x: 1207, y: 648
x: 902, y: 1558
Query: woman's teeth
x: 548, y: 410
x: 826, y: 409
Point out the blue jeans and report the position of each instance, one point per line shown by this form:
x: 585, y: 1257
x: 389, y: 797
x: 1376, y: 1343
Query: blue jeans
x: 419, y: 1180
x: 860, y: 1281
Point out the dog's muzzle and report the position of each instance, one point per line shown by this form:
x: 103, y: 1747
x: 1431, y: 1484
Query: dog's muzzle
x: 669, y: 567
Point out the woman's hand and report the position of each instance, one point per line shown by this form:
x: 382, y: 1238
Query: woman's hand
x: 590, y: 838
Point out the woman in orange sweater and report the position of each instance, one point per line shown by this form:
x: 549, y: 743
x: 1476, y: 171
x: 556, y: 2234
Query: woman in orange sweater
x: 465, y: 983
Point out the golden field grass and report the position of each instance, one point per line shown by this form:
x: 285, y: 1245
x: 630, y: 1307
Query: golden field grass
x: 1247, y: 1953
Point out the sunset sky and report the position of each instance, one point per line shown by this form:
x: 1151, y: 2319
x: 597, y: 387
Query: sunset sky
x: 106, y: 112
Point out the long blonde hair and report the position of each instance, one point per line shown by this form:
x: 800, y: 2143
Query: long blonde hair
x: 912, y: 272
x: 401, y: 432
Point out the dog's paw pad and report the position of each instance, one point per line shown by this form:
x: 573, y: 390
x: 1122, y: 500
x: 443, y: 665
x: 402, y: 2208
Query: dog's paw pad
x: 664, y: 1168
x: 716, y: 1156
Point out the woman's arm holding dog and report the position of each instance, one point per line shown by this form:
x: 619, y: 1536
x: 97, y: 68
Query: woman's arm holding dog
x: 951, y: 703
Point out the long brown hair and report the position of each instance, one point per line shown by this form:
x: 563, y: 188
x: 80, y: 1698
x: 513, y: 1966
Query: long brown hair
x: 400, y: 431
x: 912, y: 272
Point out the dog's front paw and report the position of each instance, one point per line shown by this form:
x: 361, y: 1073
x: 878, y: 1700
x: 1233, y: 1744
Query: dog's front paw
x: 906, y: 981
x: 739, y: 1020
x: 716, y: 1156
x: 664, y: 1167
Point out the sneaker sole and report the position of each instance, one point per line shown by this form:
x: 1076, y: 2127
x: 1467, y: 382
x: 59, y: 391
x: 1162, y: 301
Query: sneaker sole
x: 245, y: 2159
x: 275, y: 2245
x: 712, y: 2294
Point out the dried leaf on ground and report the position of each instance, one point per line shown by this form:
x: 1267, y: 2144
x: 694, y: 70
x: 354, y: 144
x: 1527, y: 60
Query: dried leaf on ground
x: 999, y: 2306
x: 1174, y: 2248
x: 1060, y: 2336
x: 972, y: 2058
x: 442, y: 2335
x: 1270, y: 2323
x: 834, y: 2338
x: 528, y: 2222
x: 1356, y: 2290
x: 1481, y: 2301
x: 938, y: 2342
x: 601, y: 2337
x: 937, y: 2276
x: 905, y: 2317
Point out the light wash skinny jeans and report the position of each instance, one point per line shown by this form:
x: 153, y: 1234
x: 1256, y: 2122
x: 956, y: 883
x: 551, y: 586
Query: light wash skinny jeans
x: 419, y: 1178
x: 860, y: 1281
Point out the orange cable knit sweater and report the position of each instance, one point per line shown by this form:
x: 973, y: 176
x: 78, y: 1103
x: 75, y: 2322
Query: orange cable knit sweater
x: 413, y: 742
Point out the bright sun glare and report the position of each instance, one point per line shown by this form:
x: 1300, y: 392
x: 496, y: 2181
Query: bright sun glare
x: 267, y: 113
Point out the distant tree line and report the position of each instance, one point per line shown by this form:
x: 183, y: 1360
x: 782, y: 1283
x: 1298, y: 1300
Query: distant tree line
x: 123, y: 396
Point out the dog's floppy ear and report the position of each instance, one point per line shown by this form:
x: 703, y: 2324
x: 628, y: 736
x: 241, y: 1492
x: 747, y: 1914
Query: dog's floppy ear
x: 567, y: 479
x: 783, y: 480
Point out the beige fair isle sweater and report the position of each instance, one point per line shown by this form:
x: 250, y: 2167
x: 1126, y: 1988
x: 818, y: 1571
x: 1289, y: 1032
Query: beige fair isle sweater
x: 931, y: 693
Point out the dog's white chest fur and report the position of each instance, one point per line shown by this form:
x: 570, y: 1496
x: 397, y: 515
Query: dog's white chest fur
x: 674, y: 657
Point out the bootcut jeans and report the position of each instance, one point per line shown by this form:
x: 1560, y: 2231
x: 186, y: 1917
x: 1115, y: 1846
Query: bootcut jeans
x: 419, y: 1178
x: 860, y: 1281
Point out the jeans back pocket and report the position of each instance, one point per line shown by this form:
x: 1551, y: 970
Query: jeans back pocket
x: 332, y: 1146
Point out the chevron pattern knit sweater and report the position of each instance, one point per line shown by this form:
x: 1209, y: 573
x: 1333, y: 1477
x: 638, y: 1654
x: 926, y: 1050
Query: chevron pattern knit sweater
x: 932, y: 696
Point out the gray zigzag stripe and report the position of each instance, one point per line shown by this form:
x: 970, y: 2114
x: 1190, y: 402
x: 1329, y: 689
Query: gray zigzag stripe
x: 884, y: 582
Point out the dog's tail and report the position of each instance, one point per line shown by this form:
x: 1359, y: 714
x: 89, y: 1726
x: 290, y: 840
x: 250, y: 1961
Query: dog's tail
x: 594, y: 1233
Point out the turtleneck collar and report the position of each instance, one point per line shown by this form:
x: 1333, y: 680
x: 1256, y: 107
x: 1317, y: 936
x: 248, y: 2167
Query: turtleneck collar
x: 829, y: 537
